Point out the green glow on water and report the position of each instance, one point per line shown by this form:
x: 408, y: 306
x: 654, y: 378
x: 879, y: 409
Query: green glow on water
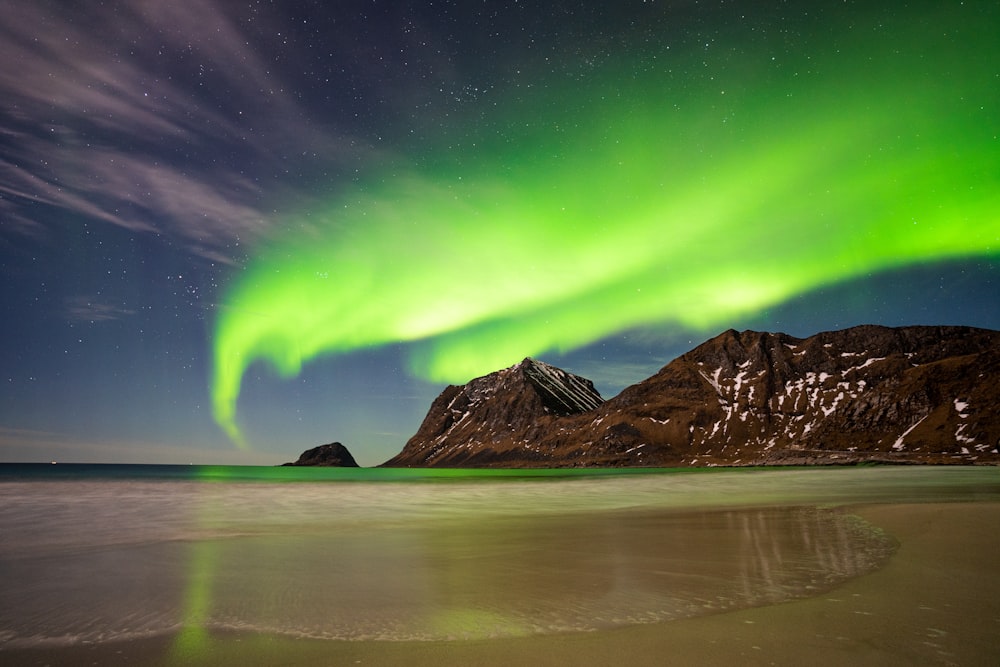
x: 283, y: 474
x: 470, y: 623
x: 651, y: 199
x: 192, y: 641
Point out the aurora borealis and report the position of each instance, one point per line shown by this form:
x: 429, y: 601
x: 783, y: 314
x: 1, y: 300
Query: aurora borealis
x: 450, y: 189
x: 642, y: 213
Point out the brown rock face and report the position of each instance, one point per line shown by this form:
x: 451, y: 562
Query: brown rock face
x: 912, y: 394
x: 495, y: 419
x: 332, y: 455
x: 908, y: 395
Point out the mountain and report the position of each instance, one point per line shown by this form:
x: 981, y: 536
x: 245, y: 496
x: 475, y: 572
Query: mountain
x: 497, y: 418
x: 869, y: 393
x: 332, y: 455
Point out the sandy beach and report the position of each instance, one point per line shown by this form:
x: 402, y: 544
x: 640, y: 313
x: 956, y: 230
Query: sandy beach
x: 936, y: 601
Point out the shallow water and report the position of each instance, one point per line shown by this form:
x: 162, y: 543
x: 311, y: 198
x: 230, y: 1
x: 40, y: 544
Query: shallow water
x: 97, y: 556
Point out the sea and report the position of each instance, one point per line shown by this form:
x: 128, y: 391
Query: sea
x: 102, y: 553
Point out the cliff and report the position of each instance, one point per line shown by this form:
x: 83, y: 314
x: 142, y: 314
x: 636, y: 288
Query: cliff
x: 498, y: 417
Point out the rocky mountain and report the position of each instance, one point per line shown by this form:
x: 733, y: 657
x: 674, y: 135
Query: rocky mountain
x: 497, y: 418
x: 332, y: 455
x: 869, y: 393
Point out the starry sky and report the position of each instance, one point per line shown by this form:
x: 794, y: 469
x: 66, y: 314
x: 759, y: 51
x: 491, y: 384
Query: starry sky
x: 234, y: 230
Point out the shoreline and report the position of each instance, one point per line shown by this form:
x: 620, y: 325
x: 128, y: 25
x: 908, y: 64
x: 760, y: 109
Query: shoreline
x: 944, y: 574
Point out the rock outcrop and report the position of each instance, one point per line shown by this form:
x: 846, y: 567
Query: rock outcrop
x: 870, y: 393
x: 498, y: 417
x: 331, y: 455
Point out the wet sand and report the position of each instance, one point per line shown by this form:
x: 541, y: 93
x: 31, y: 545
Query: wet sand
x: 936, y: 602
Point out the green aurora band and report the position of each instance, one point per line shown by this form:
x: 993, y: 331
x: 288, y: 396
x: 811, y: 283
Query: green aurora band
x: 634, y: 198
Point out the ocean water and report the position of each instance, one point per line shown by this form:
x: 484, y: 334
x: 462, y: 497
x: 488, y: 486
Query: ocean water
x: 103, y: 553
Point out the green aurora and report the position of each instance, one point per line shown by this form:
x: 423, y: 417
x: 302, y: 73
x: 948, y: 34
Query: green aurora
x: 688, y: 190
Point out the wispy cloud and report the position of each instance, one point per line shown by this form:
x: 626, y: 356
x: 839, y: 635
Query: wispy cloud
x: 154, y: 116
x: 92, y: 309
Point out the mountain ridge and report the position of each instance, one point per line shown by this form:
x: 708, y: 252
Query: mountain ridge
x: 920, y: 394
x: 517, y: 402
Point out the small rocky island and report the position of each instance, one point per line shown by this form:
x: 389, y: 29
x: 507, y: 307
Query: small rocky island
x: 333, y: 455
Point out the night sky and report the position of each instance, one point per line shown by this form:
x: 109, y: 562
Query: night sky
x: 230, y: 231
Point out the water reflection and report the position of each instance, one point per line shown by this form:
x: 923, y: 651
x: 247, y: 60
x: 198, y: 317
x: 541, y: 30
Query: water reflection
x: 513, y: 576
x: 97, y: 561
